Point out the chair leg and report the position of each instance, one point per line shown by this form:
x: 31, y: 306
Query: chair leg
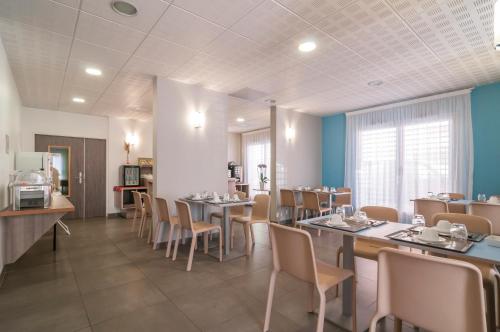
x: 221, y: 238
x: 339, y: 252
x: 169, y: 243
x: 179, y: 232
x: 269, y: 233
x: 490, y: 305
x: 191, y: 252
x: 141, y: 225
x: 321, y: 313
x: 398, y: 324
x: 252, y: 234
x: 205, y: 242
x: 248, y: 244
x: 294, y: 216
x: 353, y: 314
x: 270, y: 295
x: 231, y: 229
x: 311, y: 298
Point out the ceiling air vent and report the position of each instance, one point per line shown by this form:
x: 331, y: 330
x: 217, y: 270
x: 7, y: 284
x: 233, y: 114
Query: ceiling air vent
x: 248, y: 94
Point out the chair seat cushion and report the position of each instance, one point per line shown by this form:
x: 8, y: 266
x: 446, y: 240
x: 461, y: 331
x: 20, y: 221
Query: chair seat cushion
x: 329, y: 275
x: 369, y: 248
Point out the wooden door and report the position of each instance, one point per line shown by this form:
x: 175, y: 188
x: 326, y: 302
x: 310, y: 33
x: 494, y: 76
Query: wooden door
x: 95, y: 177
x: 76, y: 167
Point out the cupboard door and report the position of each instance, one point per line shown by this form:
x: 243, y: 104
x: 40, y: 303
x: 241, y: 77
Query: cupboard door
x: 95, y: 177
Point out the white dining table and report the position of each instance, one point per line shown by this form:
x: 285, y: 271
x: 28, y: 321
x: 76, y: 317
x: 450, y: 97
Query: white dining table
x: 479, y: 251
x: 225, y: 206
x: 331, y: 194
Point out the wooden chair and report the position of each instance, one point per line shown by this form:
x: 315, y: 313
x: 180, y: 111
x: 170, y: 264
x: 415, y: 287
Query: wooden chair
x: 197, y: 227
x: 345, y: 199
x: 147, y: 217
x: 236, y: 211
x: 288, y: 201
x: 260, y: 214
x: 418, y: 289
x: 476, y: 224
x: 456, y: 196
x: 369, y: 249
x: 138, y: 209
x: 311, y: 204
x: 293, y: 253
x: 164, y: 216
x: 488, y: 211
x: 428, y: 207
x: 457, y: 208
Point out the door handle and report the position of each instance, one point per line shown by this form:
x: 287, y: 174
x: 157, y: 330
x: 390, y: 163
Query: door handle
x: 80, y: 177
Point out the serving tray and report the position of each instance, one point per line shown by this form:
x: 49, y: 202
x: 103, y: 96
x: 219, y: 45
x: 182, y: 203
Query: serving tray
x: 452, y: 245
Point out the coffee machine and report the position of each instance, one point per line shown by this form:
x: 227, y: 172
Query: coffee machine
x: 234, y: 171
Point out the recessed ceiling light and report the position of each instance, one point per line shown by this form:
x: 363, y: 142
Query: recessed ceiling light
x: 123, y: 8
x: 78, y: 100
x: 93, y: 71
x: 375, y: 83
x: 307, y: 46
x: 240, y: 120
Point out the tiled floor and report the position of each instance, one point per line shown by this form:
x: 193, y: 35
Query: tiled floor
x: 102, y: 278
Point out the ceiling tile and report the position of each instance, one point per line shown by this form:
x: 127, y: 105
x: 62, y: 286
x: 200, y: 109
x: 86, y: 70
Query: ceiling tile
x: 44, y: 14
x: 71, y: 3
x: 105, y: 33
x: 77, y: 77
x: 184, y: 28
x: 315, y: 10
x: 148, y: 12
x: 159, y: 50
x: 223, y: 12
x: 138, y: 65
x: 98, y: 55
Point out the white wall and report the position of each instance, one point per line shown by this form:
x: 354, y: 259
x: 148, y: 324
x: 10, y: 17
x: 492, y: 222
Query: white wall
x: 118, y: 130
x: 114, y: 130
x: 298, y: 160
x: 10, y: 109
x: 189, y: 159
x: 234, y: 147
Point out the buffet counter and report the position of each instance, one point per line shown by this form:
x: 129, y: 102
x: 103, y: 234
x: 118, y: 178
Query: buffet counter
x: 19, y: 230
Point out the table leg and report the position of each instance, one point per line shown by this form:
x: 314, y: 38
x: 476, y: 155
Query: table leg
x: 348, y: 261
x: 227, y: 232
x: 54, y: 243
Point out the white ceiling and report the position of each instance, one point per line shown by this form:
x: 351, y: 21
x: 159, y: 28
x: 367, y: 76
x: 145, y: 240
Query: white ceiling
x: 415, y: 47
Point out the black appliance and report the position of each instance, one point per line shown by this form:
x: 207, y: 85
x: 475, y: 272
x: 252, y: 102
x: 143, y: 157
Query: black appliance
x: 234, y: 171
x: 130, y: 175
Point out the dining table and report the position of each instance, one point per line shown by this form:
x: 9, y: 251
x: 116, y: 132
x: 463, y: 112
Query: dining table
x: 331, y: 193
x: 454, y: 205
x: 225, y: 205
x: 479, y: 251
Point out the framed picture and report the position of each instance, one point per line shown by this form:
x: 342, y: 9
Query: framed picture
x: 145, y: 162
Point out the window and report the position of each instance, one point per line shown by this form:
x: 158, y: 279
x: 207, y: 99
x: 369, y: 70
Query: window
x: 256, y: 150
x: 401, y: 153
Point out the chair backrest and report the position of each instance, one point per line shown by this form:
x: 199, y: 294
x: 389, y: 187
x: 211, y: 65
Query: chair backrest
x: 287, y: 198
x: 148, y: 206
x: 293, y: 252
x: 429, y: 207
x: 162, y: 210
x: 137, y: 200
x: 416, y: 288
x: 381, y: 213
x: 310, y: 200
x: 488, y: 211
x: 184, y: 215
x: 238, y: 209
x: 260, y: 210
x: 345, y: 199
x: 475, y: 224
x: 456, y: 196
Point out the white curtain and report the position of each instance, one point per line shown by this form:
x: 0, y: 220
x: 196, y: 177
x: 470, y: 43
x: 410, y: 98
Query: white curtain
x: 403, y: 152
x: 256, y: 149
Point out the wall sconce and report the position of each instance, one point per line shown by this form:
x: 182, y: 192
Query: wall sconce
x: 130, y: 140
x: 290, y: 133
x: 197, y: 119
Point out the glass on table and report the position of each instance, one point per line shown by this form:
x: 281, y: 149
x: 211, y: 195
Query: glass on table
x: 419, y: 221
x: 361, y: 217
x: 481, y: 197
x: 458, y: 232
x: 340, y: 211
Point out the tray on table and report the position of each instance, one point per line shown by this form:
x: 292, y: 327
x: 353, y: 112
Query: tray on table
x: 408, y: 236
x: 474, y: 237
x: 352, y: 227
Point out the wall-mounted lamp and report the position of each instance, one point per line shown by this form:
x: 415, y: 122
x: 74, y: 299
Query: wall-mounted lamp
x: 197, y: 119
x: 290, y: 133
x: 130, y: 140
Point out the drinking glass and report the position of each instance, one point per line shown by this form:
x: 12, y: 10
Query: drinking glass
x: 361, y: 217
x: 481, y: 197
x: 419, y: 221
x: 458, y: 232
x: 340, y: 211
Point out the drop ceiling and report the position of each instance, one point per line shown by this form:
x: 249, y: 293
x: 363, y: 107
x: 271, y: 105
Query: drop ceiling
x: 415, y: 47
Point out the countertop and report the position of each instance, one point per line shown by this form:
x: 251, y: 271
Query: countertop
x: 59, y: 204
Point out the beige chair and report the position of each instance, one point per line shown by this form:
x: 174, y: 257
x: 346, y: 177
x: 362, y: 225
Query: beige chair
x: 454, y: 207
x: 197, y: 227
x: 369, y: 249
x: 260, y: 214
x: 476, y: 224
x: 147, y: 218
x: 164, y: 216
x: 345, y: 199
x: 418, y: 289
x: 488, y: 211
x: 138, y: 209
x: 293, y: 253
x: 311, y: 204
x: 288, y: 201
x: 236, y: 211
x: 456, y: 196
x: 429, y: 207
